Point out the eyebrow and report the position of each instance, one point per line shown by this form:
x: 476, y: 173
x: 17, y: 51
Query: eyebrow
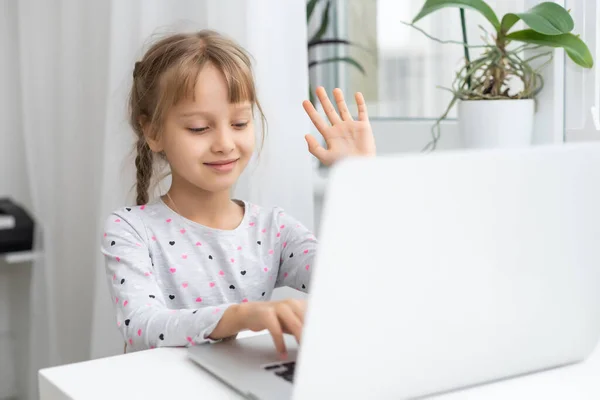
x: 199, y: 113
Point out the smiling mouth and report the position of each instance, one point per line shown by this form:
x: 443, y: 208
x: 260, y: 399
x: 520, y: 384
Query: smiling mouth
x: 222, y: 166
x: 222, y: 162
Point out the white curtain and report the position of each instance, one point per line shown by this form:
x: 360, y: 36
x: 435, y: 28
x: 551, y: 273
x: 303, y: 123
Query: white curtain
x: 74, y: 70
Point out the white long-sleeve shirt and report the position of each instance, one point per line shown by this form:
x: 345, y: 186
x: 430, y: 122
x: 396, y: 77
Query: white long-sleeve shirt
x: 171, y: 279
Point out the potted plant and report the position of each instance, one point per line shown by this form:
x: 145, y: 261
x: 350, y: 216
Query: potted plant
x: 496, y: 91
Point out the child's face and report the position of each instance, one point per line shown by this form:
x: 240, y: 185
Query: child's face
x: 208, y: 141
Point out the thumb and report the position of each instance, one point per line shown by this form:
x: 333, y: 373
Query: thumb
x: 317, y: 150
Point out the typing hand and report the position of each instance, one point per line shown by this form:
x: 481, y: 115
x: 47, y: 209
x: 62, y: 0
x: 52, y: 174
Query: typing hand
x: 345, y: 137
x: 278, y: 317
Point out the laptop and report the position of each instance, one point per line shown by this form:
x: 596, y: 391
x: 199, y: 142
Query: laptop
x: 438, y: 272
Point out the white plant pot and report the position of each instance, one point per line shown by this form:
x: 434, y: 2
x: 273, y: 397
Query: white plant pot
x: 485, y: 124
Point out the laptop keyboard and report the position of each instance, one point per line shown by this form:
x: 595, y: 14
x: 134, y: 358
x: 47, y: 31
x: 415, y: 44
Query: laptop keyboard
x: 283, y: 370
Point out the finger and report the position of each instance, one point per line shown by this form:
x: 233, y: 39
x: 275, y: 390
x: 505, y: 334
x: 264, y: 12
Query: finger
x: 338, y: 95
x: 299, y: 308
x: 289, y: 321
x: 362, y: 107
x: 315, y: 117
x: 332, y: 115
x: 317, y: 150
x: 274, y: 328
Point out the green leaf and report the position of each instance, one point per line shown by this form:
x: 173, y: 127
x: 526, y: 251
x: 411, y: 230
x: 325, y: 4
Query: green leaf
x: 339, y: 59
x: 324, y: 24
x: 477, y: 5
x: 310, y: 7
x: 547, y: 18
x: 329, y: 41
x: 575, y: 48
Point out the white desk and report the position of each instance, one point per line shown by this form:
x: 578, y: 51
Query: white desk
x: 166, y: 373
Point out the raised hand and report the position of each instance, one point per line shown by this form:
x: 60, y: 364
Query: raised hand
x: 345, y: 136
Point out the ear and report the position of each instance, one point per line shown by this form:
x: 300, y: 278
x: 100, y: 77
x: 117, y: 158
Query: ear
x: 154, y: 143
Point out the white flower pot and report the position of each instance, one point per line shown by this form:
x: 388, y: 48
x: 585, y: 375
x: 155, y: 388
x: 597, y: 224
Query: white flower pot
x: 485, y: 124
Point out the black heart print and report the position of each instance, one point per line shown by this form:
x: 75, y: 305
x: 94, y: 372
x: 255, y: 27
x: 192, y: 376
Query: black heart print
x: 291, y: 255
x: 152, y: 296
x: 195, y: 311
x: 231, y: 287
x: 122, y: 281
x: 171, y: 243
x: 259, y: 242
x: 171, y: 296
x: 161, y: 336
x: 210, y: 257
x: 263, y: 293
x: 127, y: 322
x: 243, y: 272
x: 128, y: 209
x: 303, y: 287
x: 112, y: 243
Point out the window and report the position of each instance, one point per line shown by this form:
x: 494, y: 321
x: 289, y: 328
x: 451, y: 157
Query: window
x: 402, y: 67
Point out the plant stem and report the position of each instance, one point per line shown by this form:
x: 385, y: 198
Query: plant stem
x: 463, y: 25
x: 487, y: 46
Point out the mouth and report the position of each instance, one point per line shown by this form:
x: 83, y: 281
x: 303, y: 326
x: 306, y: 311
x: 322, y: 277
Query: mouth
x: 222, y: 165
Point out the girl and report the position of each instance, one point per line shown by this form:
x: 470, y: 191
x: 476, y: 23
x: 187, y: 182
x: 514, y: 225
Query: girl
x: 195, y: 266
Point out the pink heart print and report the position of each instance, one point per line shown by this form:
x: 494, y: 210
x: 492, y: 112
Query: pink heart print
x: 282, y: 226
x: 131, y: 342
x: 252, y: 224
x: 239, y: 247
x: 198, y: 244
x: 285, y: 275
x: 118, y: 259
x: 212, y: 284
x: 271, y: 251
x: 173, y: 270
x: 169, y: 220
x: 284, y: 245
x: 182, y: 231
x: 184, y: 256
x: 117, y: 220
x: 139, y: 332
x: 198, y: 299
x: 118, y: 323
x: 264, y: 230
x: 221, y: 273
x: 154, y: 238
x: 232, y: 260
x: 148, y: 273
x: 307, y: 267
x: 306, y: 251
x: 185, y: 284
x: 125, y: 303
x: 142, y: 207
x: 278, y: 234
x: 116, y: 300
x: 245, y: 301
x: 105, y: 234
x: 266, y: 269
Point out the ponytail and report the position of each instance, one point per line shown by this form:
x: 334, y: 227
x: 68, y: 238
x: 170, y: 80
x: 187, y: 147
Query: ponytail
x: 143, y: 165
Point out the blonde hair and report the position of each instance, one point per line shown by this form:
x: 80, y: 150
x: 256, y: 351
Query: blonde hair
x: 167, y: 74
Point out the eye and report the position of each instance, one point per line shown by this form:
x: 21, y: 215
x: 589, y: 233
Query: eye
x: 198, y: 130
x: 241, y: 125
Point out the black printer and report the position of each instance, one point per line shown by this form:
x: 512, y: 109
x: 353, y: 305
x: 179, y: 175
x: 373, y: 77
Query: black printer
x: 16, y: 228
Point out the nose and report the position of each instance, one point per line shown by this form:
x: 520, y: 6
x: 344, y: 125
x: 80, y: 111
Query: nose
x: 223, y: 142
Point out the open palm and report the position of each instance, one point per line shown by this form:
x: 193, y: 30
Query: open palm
x: 345, y: 136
